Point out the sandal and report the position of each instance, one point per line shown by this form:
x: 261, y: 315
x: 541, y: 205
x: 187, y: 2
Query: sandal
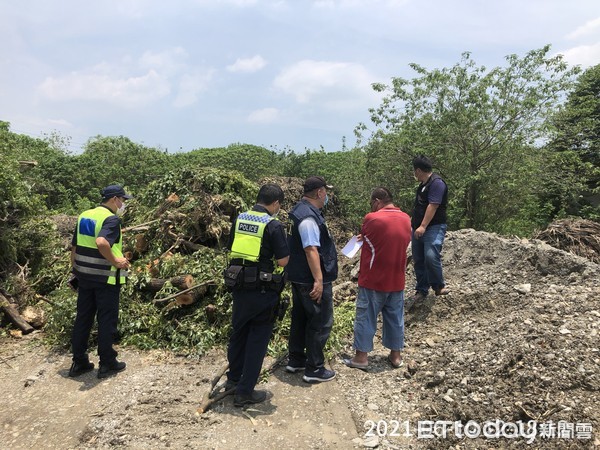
x: 442, y: 291
x: 393, y: 364
x: 354, y: 365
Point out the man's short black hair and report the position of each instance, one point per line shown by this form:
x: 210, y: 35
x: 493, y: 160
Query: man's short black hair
x: 383, y: 194
x: 422, y: 162
x: 269, y: 193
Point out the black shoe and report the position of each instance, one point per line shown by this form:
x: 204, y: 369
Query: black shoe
x: 230, y: 385
x: 318, y: 376
x: 106, y: 370
x: 248, y: 399
x: 294, y: 367
x: 80, y: 368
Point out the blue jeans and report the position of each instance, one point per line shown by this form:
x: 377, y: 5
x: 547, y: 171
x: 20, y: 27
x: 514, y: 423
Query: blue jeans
x: 311, y: 326
x: 427, y: 258
x: 368, y: 306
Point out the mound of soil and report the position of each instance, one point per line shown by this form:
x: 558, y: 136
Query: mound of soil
x: 517, y: 339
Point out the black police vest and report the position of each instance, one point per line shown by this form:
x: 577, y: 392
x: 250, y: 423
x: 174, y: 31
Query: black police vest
x: 298, y: 269
x: 422, y: 201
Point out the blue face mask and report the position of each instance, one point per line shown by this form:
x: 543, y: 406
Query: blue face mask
x: 326, y: 199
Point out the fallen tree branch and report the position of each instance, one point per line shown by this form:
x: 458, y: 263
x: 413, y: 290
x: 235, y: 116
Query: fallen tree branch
x: 210, y: 397
x: 28, y: 163
x: 13, y: 314
x: 205, y: 283
x: 135, y: 227
x: 2, y: 360
x: 47, y: 300
x: 179, y: 281
x: 207, y: 398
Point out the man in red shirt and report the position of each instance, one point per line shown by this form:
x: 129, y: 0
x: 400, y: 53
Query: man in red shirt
x: 386, y: 234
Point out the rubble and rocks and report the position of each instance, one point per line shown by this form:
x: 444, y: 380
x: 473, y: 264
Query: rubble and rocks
x: 516, y: 340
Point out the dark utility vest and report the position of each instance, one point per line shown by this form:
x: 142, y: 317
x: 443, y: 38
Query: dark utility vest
x: 297, y: 269
x: 421, y: 202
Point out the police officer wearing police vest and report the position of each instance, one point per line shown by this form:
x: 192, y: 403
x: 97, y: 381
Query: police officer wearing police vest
x: 312, y: 269
x: 100, y: 269
x: 259, y: 252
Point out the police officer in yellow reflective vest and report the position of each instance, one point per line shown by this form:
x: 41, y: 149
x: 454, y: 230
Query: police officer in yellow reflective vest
x: 100, y: 270
x: 259, y: 251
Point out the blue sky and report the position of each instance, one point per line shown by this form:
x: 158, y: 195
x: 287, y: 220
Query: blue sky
x: 181, y: 75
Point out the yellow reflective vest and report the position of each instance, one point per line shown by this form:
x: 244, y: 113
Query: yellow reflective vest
x: 249, y: 230
x: 89, y: 262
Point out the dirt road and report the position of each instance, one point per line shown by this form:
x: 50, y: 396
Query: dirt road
x: 153, y: 403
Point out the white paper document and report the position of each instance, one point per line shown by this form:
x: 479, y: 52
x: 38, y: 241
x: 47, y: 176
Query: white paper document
x: 352, y: 247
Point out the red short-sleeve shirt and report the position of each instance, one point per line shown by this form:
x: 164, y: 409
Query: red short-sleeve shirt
x: 386, y: 235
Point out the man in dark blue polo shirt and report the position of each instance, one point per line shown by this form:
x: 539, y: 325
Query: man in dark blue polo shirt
x: 429, y: 229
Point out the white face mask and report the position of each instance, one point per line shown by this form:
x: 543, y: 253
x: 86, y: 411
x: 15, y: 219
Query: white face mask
x: 275, y: 213
x: 121, y: 208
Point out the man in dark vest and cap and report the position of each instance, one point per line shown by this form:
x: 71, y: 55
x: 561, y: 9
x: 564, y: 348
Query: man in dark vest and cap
x: 311, y: 270
x: 429, y: 229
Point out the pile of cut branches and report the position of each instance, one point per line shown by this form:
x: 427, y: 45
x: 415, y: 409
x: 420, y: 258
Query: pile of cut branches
x: 579, y: 237
x: 174, y: 233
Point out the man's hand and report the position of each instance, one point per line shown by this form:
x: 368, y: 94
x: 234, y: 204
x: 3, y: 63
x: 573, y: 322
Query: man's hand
x: 317, y: 291
x: 314, y: 262
x: 420, y: 231
x: 122, y: 263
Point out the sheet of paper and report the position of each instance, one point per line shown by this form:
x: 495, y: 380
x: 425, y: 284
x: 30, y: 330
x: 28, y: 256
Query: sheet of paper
x: 352, y: 247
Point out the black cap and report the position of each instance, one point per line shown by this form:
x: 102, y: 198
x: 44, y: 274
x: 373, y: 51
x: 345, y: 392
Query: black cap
x: 313, y: 183
x: 114, y: 190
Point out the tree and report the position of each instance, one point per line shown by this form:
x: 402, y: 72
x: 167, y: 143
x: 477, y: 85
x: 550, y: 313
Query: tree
x: 482, y: 129
x: 23, y: 229
x: 117, y: 159
x: 252, y: 161
x: 345, y: 169
x: 575, y: 149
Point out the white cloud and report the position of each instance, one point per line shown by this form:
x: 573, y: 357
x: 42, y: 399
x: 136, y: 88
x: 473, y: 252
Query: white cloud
x: 127, y: 92
x: 190, y: 86
x: 166, y: 62
x: 60, y: 123
x: 265, y: 115
x: 359, y: 4
x: 248, y: 65
x: 238, y: 3
x: 114, y: 83
x: 336, y: 85
x: 586, y: 29
x: 241, y: 3
x: 584, y: 55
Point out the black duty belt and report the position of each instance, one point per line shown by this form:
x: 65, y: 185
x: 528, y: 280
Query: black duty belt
x: 243, y: 262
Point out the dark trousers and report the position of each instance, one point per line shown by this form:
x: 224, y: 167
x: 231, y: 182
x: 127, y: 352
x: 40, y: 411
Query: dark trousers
x: 252, y: 323
x: 311, y: 326
x: 101, y: 300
